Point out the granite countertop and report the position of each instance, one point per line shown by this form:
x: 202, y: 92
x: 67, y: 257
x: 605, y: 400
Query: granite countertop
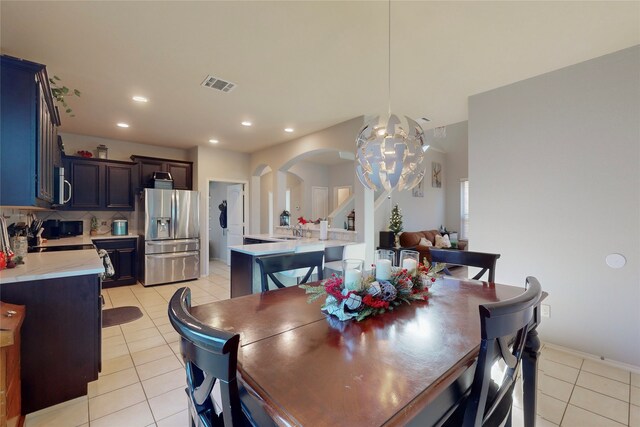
x: 51, y: 265
x: 280, y: 247
x: 85, y: 239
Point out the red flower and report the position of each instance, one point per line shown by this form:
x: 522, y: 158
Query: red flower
x: 375, y: 303
x: 302, y: 221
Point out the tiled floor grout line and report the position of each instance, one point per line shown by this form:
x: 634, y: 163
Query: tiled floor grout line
x: 573, y: 387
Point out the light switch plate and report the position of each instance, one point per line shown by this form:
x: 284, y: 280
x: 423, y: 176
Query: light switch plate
x: 545, y: 310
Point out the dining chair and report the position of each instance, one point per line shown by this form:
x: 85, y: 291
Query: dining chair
x: 271, y: 264
x: 300, y: 273
x: 211, y: 357
x: 504, y: 326
x: 350, y: 251
x: 485, y: 261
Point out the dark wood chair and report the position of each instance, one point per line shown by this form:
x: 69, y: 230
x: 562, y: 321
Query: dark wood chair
x: 504, y: 326
x: 211, y: 355
x: 271, y: 264
x: 485, y: 261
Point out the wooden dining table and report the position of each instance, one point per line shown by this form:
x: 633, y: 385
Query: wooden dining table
x: 407, y: 365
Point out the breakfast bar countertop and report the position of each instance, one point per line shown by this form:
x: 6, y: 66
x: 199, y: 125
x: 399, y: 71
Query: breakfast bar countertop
x: 50, y: 265
x: 279, y: 247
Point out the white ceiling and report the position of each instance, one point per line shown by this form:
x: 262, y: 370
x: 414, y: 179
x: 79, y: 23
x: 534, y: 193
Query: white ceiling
x: 308, y: 65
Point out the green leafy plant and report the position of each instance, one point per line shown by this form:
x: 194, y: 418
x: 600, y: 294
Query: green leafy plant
x: 60, y: 91
x: 395, y: 222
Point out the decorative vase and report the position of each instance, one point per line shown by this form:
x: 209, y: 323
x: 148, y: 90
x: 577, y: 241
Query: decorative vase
x: 93, y: 232
x: 396, y: 238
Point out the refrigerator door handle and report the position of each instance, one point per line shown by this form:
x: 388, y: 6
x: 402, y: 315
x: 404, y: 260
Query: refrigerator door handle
x: 173, y: 255
x: 174, y: 213
x: 170, y: 242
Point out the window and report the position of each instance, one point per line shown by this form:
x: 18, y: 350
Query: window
x: 464, y: 209
x: 287, y: 200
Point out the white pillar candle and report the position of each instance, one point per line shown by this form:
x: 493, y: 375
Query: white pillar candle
x: 383, y: 269
x: 352, y: 279
x: 410, y: 265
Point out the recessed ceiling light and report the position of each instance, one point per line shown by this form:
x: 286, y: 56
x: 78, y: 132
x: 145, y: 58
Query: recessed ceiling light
x: 140, y: 99
x: 288, y: 130
x: 246, y: 123
x: 123, y: 125
x: 213, y: 141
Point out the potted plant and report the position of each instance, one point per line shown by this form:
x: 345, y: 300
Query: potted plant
x: 94, y: 226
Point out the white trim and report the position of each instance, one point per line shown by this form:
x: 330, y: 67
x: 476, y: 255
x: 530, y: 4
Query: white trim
x: 614, y: 363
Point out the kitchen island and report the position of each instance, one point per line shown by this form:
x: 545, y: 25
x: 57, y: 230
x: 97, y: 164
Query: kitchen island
x: 61, y: 334
x: 245, y: 273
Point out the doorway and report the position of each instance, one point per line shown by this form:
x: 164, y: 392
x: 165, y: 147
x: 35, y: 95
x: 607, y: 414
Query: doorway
x: 226, y: 218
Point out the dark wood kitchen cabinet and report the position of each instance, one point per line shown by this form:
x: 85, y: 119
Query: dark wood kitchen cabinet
x: 181, y: 171
x: 123, y: 255
x: 28, y: 134
x: 99, y: 185
x: 60, y: 345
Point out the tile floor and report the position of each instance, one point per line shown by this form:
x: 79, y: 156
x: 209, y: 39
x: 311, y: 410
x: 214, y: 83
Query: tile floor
x: 142, y: 380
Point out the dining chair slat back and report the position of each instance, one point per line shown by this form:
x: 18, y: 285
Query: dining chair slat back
x: 271, y: 264
x: 210, y: 355
x: 504, y: 326
x: 485, y: 261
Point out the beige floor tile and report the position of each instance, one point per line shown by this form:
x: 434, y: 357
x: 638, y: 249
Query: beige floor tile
x: 169, y: 403
x: 175, y: 347
x: 550, y: 408
x: 603, y: 385
x: 181, y: 419
x: 164, y: 329
x: 606, y: 371
x: 146, y: 343
x: 634, y: 416
x: 559, y: 371
x: 161, y: 321
x: 138, y: 415
x: 110, y: 382
x: 114, y: 401
x: 142, y: 323
x: 635, y: 396
x: 151, y: 354
x: 600, y: 404
x: 171, y: 337
x: 578, y: 417
x: 111, y: 332
x: 140, y: 334
x: 562, y: 357
x: 163, y: 383
x: 116, y: 364
x: 635, y: 379
x: 113, y: 341
x: 158, y: 367
x: 112, y: 352
x: 66, y: 415
x: 554, y: 387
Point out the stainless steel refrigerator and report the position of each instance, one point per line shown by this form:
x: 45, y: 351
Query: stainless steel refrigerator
x: 171, y: 236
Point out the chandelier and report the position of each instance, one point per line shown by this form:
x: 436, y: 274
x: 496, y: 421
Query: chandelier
x: 390, y: 150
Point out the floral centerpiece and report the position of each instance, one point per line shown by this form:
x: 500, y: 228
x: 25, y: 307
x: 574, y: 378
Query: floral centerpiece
x: 370, y: 297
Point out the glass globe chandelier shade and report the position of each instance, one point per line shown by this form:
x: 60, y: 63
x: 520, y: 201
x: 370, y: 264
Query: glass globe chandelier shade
x: 390, y: 154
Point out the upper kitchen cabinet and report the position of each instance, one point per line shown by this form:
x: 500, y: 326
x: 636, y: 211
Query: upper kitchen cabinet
x: 99, y: 185
x: 181, y: 171
x: 29, y: 141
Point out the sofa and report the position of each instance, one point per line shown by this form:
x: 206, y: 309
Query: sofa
x: 411, y: 239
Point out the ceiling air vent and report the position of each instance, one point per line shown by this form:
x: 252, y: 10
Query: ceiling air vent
x: 216, y: 83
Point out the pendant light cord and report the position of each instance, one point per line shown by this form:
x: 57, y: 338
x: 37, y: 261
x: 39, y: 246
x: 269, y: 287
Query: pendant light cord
x: 389, y: 57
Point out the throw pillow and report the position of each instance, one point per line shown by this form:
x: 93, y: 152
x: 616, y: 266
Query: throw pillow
x: 442, y: 241
x: 425, y: 242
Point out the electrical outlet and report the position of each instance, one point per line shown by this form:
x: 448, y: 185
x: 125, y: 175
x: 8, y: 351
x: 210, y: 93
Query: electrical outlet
x: 545, y: 310
x: 104, y: 223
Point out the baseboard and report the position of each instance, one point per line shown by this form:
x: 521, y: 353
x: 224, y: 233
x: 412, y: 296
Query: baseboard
x: 614, y: 363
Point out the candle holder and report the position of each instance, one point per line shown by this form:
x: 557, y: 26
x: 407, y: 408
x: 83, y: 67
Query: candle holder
x: 383, y: 263
x: 409, y: 260
x: 352, y: 273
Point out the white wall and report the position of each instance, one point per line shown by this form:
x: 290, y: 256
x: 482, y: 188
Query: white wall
x: 423, y: 213
x: 119, y: 150
x: 217, y: 235
x: 312, y: 175
x: 554, y: 172
x: 456, y: 167
x: 341, y: 175
x: 214, y: 164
